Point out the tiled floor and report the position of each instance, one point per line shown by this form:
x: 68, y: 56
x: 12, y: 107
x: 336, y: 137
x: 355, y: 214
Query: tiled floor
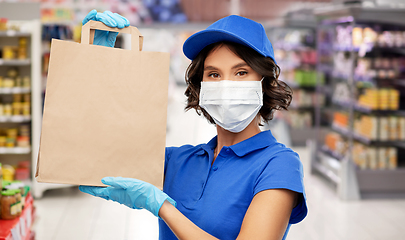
x: 69, y: 214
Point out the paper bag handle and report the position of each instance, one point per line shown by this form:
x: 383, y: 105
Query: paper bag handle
x: 89, y: 28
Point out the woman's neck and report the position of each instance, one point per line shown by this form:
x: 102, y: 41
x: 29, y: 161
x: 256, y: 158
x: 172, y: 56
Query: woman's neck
x: 227, y: 138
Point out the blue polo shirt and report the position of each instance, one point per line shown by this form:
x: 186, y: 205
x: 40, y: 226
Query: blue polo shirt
x: 217, y: 197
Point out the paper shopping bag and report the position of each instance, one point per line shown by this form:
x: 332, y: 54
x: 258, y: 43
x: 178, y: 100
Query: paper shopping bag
x: 104, y: 112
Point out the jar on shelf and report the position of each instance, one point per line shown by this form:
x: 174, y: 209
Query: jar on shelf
x: 18, y: 199
x: 7, y: 109
x: 8, y: 173
x: 12, y: 132
x: 1, y: 178
x: 17, y: 97
x: 22, y: 53
x: 9, y: 52
x: 8, y: 82
x: 18, y: 81
x: 19, y: 185
x: 2, y: 141
x: 27, y: 97
x: 10, y: 142
x: 17, y: 107
x: 23, y: 141
x: 8, y: 205
x: 26, y: 108
x: 27, y: 82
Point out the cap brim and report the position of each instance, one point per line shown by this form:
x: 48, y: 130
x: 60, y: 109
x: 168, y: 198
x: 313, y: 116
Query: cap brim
x: 198, y: 41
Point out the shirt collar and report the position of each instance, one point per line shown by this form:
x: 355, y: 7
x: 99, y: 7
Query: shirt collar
x: 258, y: 141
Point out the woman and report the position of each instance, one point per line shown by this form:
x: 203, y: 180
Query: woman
x: 242, y: 184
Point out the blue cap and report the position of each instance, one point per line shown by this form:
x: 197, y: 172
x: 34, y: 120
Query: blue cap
x: 232, y: 29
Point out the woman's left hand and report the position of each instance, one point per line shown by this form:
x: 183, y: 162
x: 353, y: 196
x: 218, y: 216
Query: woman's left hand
x: 106, y: 38
x: 131, y: 192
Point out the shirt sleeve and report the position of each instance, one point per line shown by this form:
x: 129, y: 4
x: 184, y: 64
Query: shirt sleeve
x: 168, y: 154
x: 284, y: 170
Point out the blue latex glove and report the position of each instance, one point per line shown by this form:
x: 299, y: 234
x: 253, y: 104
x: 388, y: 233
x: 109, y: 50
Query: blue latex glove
x: 106, y: 38
x: 131, y: 192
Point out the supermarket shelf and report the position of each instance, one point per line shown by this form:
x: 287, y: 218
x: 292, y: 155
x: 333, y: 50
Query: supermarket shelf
x: 381, y: 180
x: 374, y: 80
x: 15, y: 90
x: 15, y: 62
x: 368, y: 110
x: 11, y: 33
x: 365, y: 140
x: 341, y: 130
x: 328, y: 166
x: 15, y: 150
x: 348, y: 13
x: 15, y: 119
x: 331, y: 153
x: 345, y: 104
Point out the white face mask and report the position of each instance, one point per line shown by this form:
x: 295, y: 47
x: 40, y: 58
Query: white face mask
x: 232, y: 104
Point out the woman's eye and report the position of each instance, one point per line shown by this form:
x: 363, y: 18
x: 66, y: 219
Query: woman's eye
x: 242, y: 73
x: 213, y: 75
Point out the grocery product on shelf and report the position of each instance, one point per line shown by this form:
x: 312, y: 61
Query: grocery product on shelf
x: 16, y: 52
x: 1, y: 178
x: 375, y: 158
x: 15, y: 137
x: 379, y: 99
x: 8, y: 205
x: 8, y: 172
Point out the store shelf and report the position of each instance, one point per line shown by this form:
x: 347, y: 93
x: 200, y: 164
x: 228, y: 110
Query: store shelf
x: 328, y: 166
x: 335, y: 39
x: 375, y: 80
x: 368, y: 110
x: 30, y: 24
x: 331, y: 153
x: 12, y: 33
x: 381, y: 180
x: 15, y: 62
x: 15, y: 119
x: 344, y: 104
x: 15, y: 150
x: 357, y: 137
x: 15, y: 90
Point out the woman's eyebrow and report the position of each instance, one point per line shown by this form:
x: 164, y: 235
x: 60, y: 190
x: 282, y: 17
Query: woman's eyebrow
x: 210, y: 68
x: 242, y: 64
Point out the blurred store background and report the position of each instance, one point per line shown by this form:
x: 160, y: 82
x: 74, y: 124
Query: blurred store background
x: 344, y: 60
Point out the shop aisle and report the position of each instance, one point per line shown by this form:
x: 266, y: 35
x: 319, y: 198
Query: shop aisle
x: 69, y: 214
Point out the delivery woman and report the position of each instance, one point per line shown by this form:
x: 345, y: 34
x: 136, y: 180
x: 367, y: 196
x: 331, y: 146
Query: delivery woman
x: 242, y: 184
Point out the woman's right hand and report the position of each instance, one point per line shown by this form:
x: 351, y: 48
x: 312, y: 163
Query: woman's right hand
x: 106, y: 38
x: 131, y: 192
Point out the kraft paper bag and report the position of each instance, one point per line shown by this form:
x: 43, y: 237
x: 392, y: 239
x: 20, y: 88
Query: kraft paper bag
x: 104, y: 112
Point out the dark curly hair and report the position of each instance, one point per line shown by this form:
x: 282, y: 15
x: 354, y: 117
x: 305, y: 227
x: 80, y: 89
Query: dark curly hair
x: 277, y: 95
